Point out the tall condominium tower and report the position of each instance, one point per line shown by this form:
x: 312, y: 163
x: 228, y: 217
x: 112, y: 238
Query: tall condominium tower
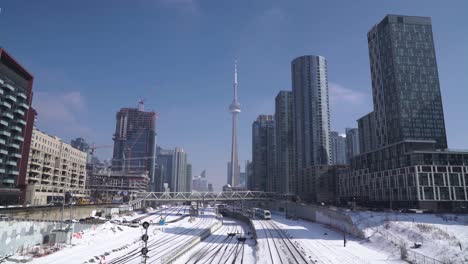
x: 135, y: 141
x: 164, y: 159
x: 367, y: 133
x: 405, y: 81
x: 263, y: 154
x: 235, y: 110
x: 16, y: 125
x: 188, y: 178
x: 352, y: 143
x: 179, y: 171
x: 284, y: 141
x: 338, y: 148
x: 311, y: 122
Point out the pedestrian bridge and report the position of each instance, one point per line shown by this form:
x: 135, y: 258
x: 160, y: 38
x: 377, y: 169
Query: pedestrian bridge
x: 140, y: 198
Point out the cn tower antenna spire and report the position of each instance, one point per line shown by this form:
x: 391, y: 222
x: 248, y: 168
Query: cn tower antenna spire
x: 233, y: 177
x: 235, y: 80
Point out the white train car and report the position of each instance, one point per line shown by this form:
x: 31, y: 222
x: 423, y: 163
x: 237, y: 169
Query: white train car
x: 262, y: 214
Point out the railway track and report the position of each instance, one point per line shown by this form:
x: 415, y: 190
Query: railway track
x: 286, y: 250
x: 221, y: 247
x: 170, y: 242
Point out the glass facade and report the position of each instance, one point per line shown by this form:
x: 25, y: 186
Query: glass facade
x: 405, y: 82
x: 311, y: 121
x: 263, y: 154
x: 285, y: 183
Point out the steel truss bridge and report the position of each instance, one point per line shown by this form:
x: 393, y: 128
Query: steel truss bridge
x: 140, y: 198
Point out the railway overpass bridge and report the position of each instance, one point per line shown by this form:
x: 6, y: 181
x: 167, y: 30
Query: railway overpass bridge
x: 140, y: 198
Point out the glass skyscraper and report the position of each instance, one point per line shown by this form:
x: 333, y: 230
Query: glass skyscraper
x: 284, y: 143
x: 263, y: 154
x: 311, y: 122
x: 405, y: 82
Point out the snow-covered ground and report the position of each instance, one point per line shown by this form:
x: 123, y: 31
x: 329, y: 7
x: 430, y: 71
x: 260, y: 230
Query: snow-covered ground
x: 219, y: 248
x: 443, y: 237
x: 316, y: 243
x: 113, y: 243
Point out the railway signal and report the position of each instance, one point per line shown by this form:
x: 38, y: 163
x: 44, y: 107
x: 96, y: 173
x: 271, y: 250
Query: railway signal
x: 144, y: 250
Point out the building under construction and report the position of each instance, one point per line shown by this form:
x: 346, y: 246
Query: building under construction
x: 117, y: 186
x: 135, y: 143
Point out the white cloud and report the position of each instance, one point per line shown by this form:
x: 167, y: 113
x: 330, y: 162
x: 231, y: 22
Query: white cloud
x: 342, y: 95
x: 60, y: 111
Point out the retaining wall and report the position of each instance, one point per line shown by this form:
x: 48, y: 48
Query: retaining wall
x: 16, y: 236
x: 52, y: 213
x: 316, y: 213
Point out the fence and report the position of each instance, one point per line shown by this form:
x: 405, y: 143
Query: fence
x: 417, y: 258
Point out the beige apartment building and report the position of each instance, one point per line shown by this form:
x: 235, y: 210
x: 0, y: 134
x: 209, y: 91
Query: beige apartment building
x: 54, y: 168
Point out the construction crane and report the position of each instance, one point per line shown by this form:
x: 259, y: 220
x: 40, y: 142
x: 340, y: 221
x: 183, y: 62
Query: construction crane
x: 94, y: 147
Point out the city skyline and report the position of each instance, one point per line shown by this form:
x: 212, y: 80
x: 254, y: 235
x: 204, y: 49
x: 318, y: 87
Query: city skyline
x: 76, y: 96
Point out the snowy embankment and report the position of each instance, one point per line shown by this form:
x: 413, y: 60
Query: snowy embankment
x: 111, y: 242
x: 442, y: 237
x: 320, y: 244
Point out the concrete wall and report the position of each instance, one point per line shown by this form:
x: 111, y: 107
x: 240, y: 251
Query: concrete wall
x: 52, y: 213
x: 16, y: 236
x: 333, y: 217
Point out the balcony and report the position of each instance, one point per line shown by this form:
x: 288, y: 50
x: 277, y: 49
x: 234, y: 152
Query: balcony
x: 9, y: 87
x: 21, y: 121
x: 4, y: 123
x: 5, y: 114
x: 5, y: 104
x: 11, y: 163
x: 19, y: 111
x: 4, y: 152
x: 2, y: 170
x: 2, y: 141
x: 11, y: 98
x: 15, y: 146
x: 5, y: 133
x: 18, y: 138
x: 2, y: 82
x: 22, y: 95
x: 36, y: 170
x: 8, y: 181
x: 23, y: 105
x: 13, y: 172
x: 1, y: 91
x: 17, y: 155
x: 17, y: 128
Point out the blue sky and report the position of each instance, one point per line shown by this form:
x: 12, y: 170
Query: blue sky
x: 90, y: 58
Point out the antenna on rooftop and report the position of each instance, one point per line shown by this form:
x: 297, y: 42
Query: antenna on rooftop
x: 141, y: 105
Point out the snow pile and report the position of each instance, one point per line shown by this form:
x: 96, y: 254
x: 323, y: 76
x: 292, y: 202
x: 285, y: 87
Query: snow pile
x: 442, y: 237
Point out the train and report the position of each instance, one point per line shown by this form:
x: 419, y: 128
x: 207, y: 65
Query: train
x: 262, y: 214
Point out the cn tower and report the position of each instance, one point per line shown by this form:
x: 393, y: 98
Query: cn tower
x: 235, y: 110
